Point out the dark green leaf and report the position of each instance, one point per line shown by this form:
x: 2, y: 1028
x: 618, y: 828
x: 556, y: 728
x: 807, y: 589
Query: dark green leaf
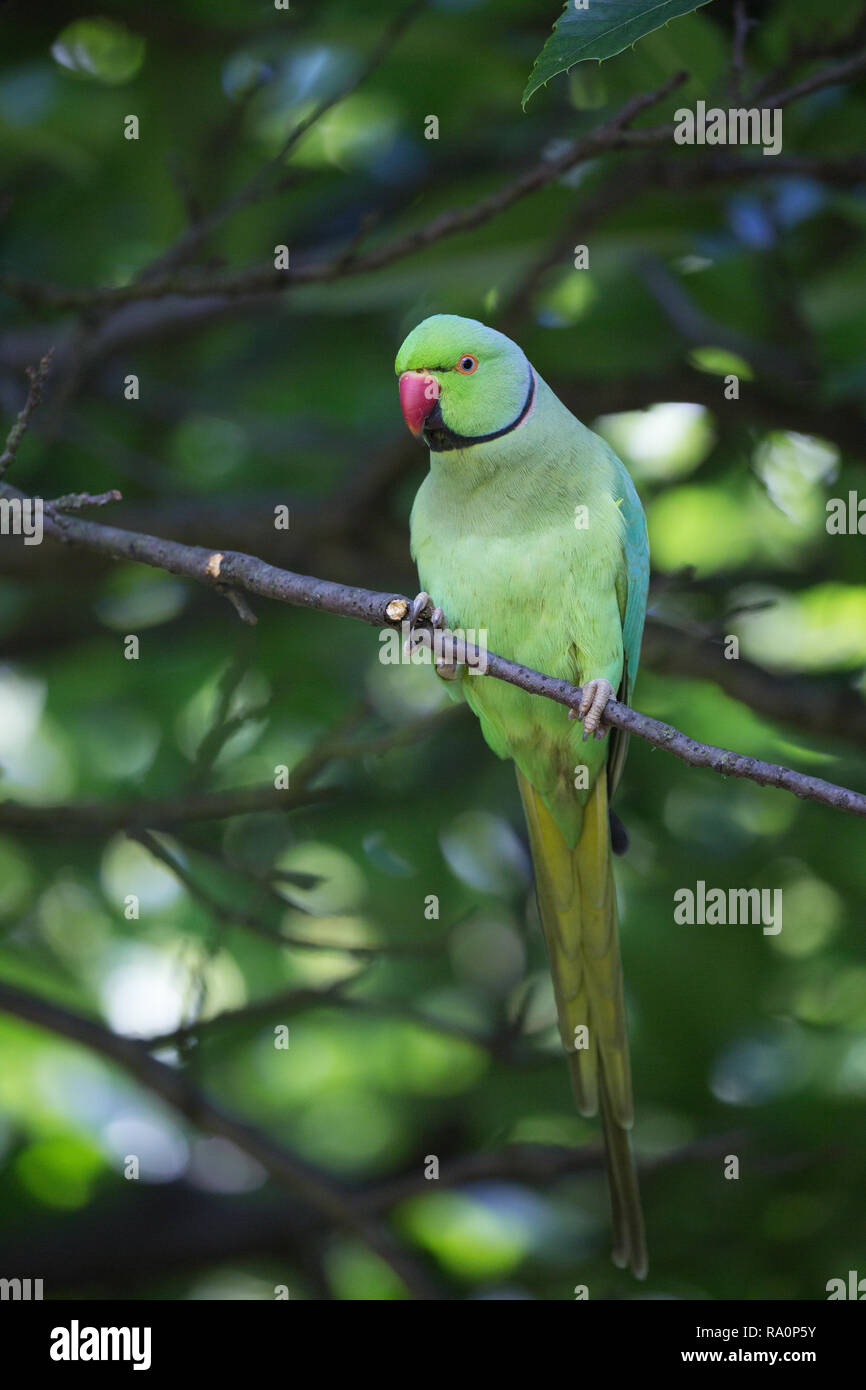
x: 600, y: 31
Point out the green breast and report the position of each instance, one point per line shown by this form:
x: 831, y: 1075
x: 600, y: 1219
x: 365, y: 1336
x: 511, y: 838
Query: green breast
x: 542, y: 592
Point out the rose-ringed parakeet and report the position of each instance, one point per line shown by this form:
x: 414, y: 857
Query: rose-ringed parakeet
x: 528, y: 525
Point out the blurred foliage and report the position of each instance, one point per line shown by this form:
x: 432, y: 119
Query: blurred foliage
x: 733, y: 1031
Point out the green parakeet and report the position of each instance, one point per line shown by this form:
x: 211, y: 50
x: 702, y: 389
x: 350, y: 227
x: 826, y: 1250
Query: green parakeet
x: 528, y: 525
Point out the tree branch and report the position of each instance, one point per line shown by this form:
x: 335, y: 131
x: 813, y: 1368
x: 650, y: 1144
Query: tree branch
x: 71, y: 820
x: 195, y: 235
x: 614, y: 134
x: 742, y: 25
x: 141, y: 322
x: 505, y: 1043
x: 37, y: 376
x: 827, y: 77
x: 173, y: 1087
x: 802, y: 53
x: 254, y: 576
x: 68, y: 821
x: 261, y: 923
x: 176, y: 1227
x: 818, y: 706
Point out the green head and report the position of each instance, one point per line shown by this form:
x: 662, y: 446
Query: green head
x: 462, y: 383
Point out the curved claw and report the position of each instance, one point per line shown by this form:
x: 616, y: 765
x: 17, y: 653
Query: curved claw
x: 596, y: 694
x: 419, y: 606
x: 422, y: 610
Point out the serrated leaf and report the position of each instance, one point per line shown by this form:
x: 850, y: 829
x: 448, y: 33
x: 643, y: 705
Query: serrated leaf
x: 600, y: 31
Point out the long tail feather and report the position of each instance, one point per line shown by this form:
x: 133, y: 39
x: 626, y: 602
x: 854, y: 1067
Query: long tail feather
x: 577, y: 903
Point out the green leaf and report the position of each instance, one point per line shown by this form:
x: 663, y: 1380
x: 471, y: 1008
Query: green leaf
x: 100, y: 49
x: 601, y: 30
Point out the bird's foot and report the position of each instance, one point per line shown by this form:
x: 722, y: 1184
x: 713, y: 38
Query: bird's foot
x: 593, y: 700
x: 420, y: 609
x: 423, y: 610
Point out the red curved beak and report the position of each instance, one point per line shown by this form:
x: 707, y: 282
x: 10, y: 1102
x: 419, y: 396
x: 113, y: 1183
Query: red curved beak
x: 419, y: 393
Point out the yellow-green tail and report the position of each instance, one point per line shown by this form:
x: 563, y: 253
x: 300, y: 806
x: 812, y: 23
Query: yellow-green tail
x: 577, y: 903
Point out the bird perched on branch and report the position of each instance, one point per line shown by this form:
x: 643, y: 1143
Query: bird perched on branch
x: 529, y: 527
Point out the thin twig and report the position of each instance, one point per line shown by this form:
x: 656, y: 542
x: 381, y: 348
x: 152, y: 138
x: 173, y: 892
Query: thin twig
x: 255, y: 921
x: 742, y: 25
x: 827, y: 77
x: 64, y: 820
x: 801, y: 54
x: 240, y: 605
x: 502, y: 1044
x: 37, y: 376
x: 77, y: 501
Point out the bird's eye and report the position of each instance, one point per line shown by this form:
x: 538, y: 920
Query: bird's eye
x: 467, y: 363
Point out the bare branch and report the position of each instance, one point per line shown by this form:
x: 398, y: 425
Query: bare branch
x: 172, y: 1226
x: 696, y: 328
x: 809, y: 53
x: 265, y: 177
x: 819, y: 706
x: 69, y: 821
x: 505, y: 1044
x: 77, y: 501
x: 172, y: 1086
x: 240, y: 605
x: 137, y: 323
x: 258, y: 922
x: 37, y: 377
x: 614, y: 134
x: 827, y: 77
x: 254, y: 576
x: 742, y: 25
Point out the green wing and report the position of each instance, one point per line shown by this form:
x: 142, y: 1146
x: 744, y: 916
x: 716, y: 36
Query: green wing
x: 632, y: 589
